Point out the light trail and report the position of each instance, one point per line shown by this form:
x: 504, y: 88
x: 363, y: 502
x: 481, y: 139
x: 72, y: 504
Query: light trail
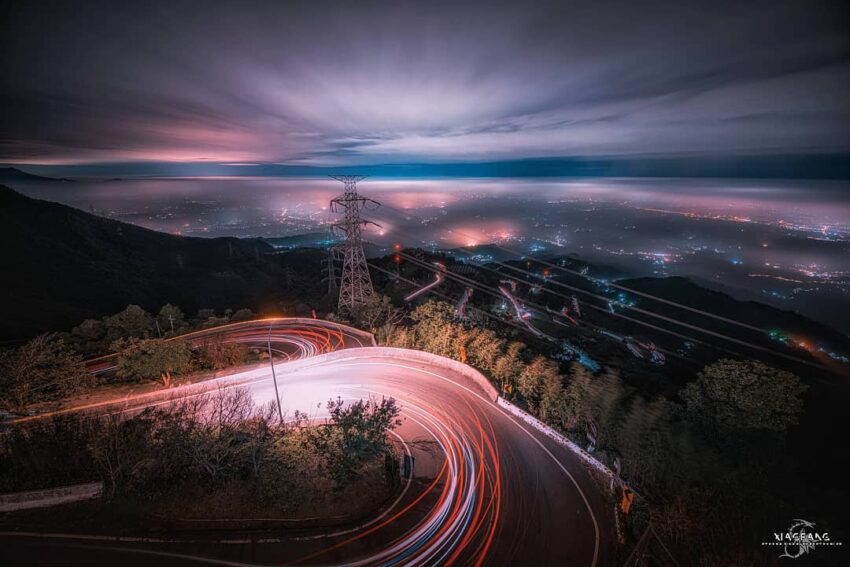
x: 460, y: 308
x: 447, y: 298
x: 596, y: 280
x: 469, y: 281
x: 498, y: 293
x: 748, y: 344
x: 493, y: 292
x: 522, y: 316
x: 473, y: 284
x: 474, y: 509
x: 440, y: 276
x: 292, y: 337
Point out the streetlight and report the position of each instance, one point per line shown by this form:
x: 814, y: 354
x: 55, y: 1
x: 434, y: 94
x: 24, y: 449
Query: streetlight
x: 274, y: 377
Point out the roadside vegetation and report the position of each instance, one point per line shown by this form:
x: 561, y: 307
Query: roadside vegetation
x: 46, y: 368
x: 710, y: 462
x: 96, y: 336
x: 50, y: 368
x: 214, y: 456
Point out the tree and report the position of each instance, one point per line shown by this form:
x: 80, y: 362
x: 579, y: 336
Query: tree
x: 217, y: 354
x: 357, y: 433
x: 484, y: 348
x: 295, y: 307
x: 744, y: 394
x: 43, y: 369
x: 152, y: 358
x: 242, y: 315
x: 132, y: 322
x: 206, y: 314
x: 90, y: 330
x: 607, y: 404
x: 578, y: 394
x: 554, y: 407
x: 509, y: 365
x: 532, y: 380
x: 656, y: 449
x: 376, y: 312
x: 436, y: 331
x: 170, y: 318
x: 395, y: 336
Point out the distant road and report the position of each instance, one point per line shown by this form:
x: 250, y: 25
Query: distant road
x: 486, y: 489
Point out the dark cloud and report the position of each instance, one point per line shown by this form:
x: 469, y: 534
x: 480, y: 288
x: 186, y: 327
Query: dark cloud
x: 369, y: 82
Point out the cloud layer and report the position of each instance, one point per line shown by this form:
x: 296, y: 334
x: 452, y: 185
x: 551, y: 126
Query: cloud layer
x: 367, y: 82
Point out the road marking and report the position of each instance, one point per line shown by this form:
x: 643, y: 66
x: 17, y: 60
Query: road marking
x: 337, y: 362
x: 512, y: 420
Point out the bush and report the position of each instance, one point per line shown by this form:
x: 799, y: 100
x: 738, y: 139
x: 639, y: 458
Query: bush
x: 356, y: 434
x: 170, y: 319
x: 132, y: 322
x: 48, y: 453
x: 152, y: 359
x: 708, y: 492
x: 44, y: 369
x: 216, y: 354
x: 242, y: 315
x: 216, y: 449
x: 733, y: 395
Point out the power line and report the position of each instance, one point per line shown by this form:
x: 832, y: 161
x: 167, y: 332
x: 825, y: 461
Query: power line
x: 644, y: 311
x: 498, y: 294
x: 596, y: 280
x: 667, y: 319
x: 637, y: 309
x: 446, y: 297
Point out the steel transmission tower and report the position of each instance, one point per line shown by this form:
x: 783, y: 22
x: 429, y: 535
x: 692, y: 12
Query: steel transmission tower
x: 355, y: 285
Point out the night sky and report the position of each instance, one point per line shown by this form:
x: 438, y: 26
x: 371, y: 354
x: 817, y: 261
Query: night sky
x: 348, y: 83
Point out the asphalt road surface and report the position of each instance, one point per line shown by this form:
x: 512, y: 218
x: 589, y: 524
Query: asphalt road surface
x: 485, y: 488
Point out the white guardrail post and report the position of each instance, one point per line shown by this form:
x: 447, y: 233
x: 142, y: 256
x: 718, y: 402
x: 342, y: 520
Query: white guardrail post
x: 556, y: 436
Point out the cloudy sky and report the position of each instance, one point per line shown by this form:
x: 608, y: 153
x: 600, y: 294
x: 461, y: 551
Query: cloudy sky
x: 330, y: 83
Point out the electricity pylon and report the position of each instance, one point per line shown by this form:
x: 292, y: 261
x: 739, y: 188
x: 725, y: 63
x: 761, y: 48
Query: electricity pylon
x: 355, y: 285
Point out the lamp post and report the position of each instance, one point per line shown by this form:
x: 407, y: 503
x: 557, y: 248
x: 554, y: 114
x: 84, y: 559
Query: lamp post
x: 274, y: 377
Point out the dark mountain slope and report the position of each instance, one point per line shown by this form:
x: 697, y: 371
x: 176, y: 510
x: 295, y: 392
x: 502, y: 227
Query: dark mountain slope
x: 63, y: 265
x: 767, y: 317
x: 12, y: 174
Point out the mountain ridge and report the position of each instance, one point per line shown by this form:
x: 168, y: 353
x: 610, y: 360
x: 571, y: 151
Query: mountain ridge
x: 15, y: 174
x: 66, y: 265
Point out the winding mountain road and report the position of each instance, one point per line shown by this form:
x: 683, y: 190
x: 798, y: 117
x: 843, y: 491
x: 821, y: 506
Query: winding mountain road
x: 486, y: 489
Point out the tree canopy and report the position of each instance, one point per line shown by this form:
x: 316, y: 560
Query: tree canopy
x: 132, y: 322
x: 43, y: 369
x: 170, y: 318
x: 377, y: 311
x: 216, y: 354
x: 356, y: 433
x: 151, y: 359
x: 745, y: 394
